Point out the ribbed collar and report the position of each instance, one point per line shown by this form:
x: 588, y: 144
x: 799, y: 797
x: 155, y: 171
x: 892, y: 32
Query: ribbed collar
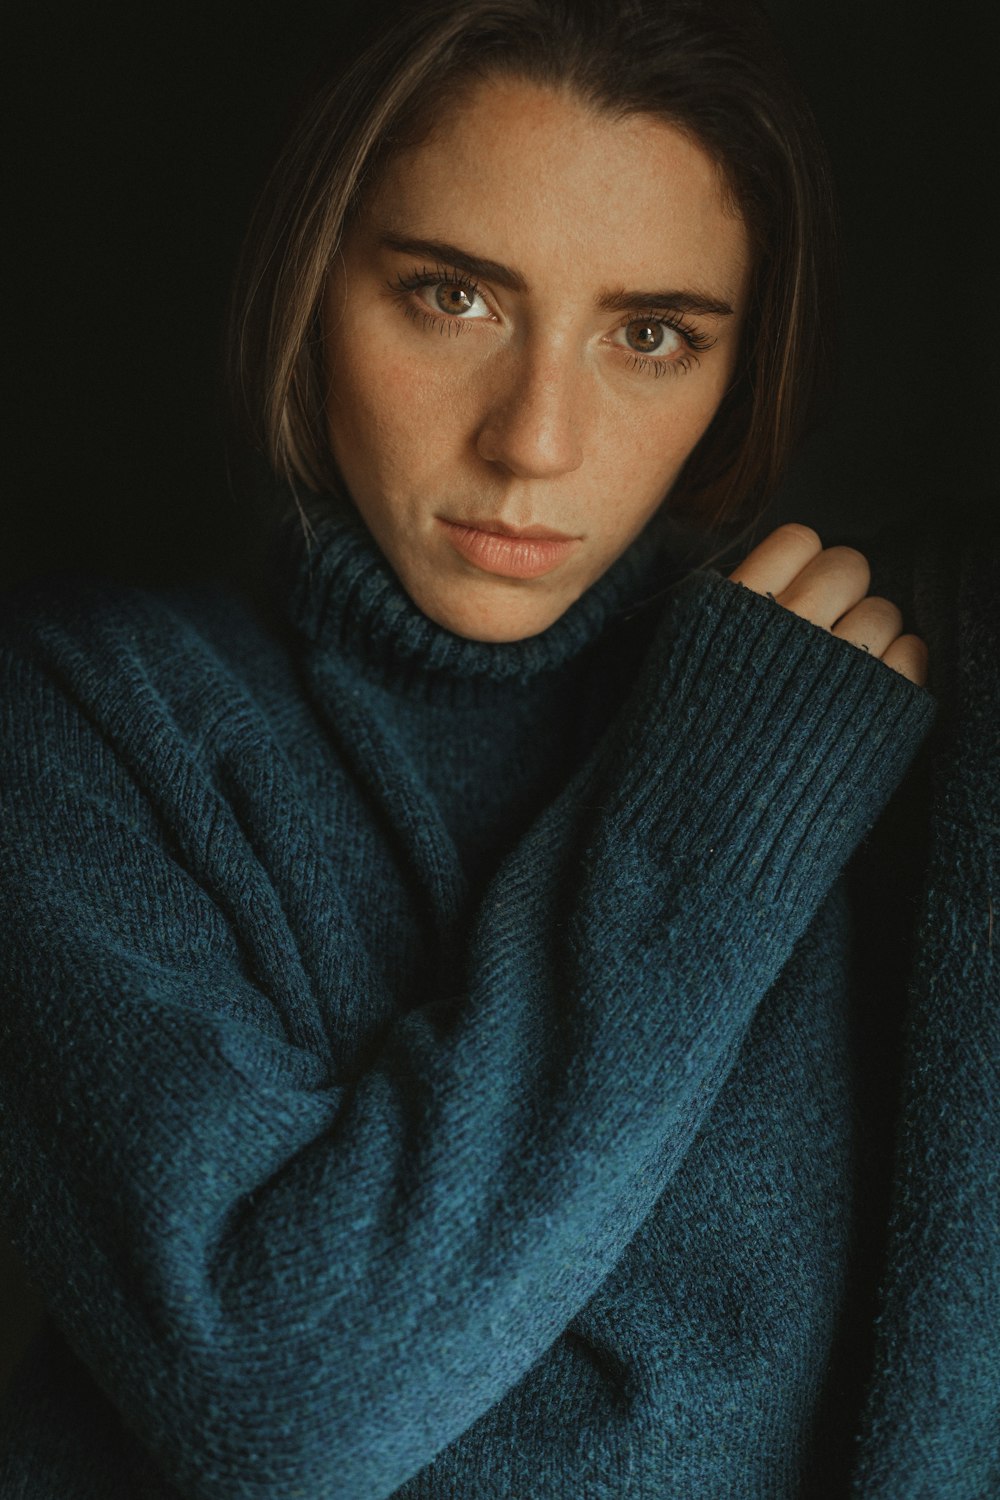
x: 340, y: 592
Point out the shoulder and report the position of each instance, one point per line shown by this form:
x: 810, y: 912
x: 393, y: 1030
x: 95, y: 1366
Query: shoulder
x: 87, y: 622
x: 92, y: 667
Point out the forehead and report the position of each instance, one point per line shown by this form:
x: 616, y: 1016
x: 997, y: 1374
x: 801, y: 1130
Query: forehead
x: 537, y: 178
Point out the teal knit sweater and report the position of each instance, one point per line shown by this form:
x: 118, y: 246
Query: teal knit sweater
x: 432, y: 1068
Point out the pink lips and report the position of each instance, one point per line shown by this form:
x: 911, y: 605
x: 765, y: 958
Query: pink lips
x: 510, y: 551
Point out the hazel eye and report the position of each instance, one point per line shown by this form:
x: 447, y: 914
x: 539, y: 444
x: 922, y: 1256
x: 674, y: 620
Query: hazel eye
x: 455, y: 298
x: 452, y: 298
x: 648, y: 336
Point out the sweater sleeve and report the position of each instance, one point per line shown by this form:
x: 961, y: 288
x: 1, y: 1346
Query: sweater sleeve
x: 289, y: 1286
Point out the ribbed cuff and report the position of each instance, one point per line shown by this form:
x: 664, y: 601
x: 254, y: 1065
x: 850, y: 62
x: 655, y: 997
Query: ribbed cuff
x: 758, y: 748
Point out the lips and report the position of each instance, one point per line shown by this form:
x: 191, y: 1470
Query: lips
x: 503, y: 528
x: 530, y: 552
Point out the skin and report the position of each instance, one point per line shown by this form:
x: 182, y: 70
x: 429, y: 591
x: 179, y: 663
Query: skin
x: 829, y: 586
x: 534, y: 404
x: 532, y: 410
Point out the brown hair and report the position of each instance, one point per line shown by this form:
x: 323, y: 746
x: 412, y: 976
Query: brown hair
x: 709, y: 67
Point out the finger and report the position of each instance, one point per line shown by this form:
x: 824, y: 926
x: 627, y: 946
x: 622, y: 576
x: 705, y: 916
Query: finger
x: 908, y: 655
x: 872, y: 625
x: 774, y: 563
x: 829, y: 586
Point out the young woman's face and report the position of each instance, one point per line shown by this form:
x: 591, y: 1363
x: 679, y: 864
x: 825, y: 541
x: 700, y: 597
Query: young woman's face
x: 532, y: 322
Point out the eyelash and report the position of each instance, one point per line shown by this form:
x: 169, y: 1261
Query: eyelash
x: 403, y: 286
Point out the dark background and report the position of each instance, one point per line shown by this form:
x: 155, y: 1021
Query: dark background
x: 142, y: 137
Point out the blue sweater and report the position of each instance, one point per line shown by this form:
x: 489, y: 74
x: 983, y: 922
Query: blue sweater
x: 432, y: 1068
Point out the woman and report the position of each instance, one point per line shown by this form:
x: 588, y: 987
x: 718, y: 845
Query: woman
x: 431, y: 1049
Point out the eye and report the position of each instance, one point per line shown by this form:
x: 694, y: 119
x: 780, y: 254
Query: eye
x: 661, y: 345
x: 650, y: 336
x: 457, y: 299
x: 444, y: 294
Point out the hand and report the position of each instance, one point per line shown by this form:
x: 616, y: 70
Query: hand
x: 829, y: 586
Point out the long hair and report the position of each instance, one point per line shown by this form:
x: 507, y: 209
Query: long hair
x: 709, y: 67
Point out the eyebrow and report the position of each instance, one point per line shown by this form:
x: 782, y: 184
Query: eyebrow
x: 689, y: 300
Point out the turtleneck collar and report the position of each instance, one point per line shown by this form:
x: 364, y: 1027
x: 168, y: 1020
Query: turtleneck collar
x: 340, y: 591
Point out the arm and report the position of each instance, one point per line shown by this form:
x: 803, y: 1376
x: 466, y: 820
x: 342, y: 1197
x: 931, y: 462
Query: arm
x: 288, y: 1284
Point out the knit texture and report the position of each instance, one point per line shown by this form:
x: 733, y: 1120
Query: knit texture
x: 431, y: 1068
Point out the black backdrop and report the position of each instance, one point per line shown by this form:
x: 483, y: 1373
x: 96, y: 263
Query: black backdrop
x: 142, y: 135
x: 140, y: 140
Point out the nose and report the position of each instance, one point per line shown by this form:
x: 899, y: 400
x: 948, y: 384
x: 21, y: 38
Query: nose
x: 534, y: 420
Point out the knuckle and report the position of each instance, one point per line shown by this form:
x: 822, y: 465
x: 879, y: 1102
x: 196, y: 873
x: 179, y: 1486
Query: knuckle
x: 909, y: 656
x: 850, y: 558
x: 849, y: 554
x: 886, y: 611
x: 796, y: 531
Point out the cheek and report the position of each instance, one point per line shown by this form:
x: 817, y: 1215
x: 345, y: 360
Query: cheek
x: 390, y: 418
x: 377, y: 388
x: 653, y: 437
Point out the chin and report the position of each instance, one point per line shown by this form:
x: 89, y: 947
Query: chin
x: 499, y: 637
x: 496, y: 624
